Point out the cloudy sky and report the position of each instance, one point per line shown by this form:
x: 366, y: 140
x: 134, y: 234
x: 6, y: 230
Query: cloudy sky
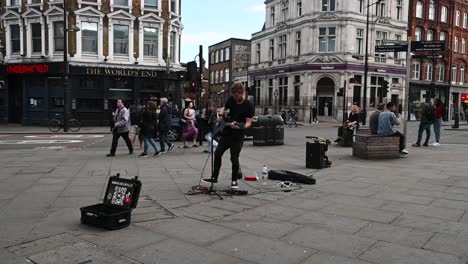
x: 207, y: 22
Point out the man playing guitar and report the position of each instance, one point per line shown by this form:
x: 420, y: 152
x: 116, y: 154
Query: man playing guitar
x: 237, y: 114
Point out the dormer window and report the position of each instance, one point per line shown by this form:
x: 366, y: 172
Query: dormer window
x: 151, y: 4
x: 83, y: 2
x: 126, y: 4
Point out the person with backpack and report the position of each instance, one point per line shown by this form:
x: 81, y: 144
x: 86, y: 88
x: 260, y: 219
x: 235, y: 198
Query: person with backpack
x: 427, y: 119
x: 439, y: 114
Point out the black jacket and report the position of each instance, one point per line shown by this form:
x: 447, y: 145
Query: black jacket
x: 149, y: 124
x: 165, y: 117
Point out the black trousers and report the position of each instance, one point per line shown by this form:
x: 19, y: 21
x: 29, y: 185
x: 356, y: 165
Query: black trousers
x: 163, y: 139
x: 115, y: 140
x: 234, y: 144
x: 402, y: 139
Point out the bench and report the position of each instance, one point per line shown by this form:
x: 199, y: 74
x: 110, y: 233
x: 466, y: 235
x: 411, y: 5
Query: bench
x: 367, y: 146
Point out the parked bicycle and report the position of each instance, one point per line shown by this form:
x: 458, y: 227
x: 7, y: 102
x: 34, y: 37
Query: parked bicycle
x: 55, y: 124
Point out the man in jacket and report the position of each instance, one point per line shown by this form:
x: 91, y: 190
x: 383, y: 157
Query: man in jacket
x: 121, y: 128
x: 427, y: 119
x: 165, y: 117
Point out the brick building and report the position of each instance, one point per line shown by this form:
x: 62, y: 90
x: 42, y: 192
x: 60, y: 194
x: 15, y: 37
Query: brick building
x: 443, y: 77
x: 126, y: 49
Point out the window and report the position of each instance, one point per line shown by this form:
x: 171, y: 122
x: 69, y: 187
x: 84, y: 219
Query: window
x: 257, y: 85
x: 36, y: 1
x: 257, y: 52
x: 454, y: 73
x: 416, y: 70
x: 443, y: 35
x: 216, y: 57
x: 58, y: 36
x: 443, y: 14
x: 284, y: 10
x: 212, y: 58
x: 465, y: 20
x: 428, y: 72
x: 297, y: 90
x: 272, y: 15
x: 221, y: 55
x: 441, y: 73
x: 121, y: 2
x: 226, y: 75
x: 212, y: 77
x: 89, y: 37
x: 36, y: 37
x: 418, y: 34
x: 360, y: 41
x: 15, y: 39
x: 217, y: 77
x: 173, y: 6
x: 381, y: 9
x: 298, y: 43
x: 455, y: 45
x: 227, y: 54
x: 419, y: 9
x: 431, y: 10
x: 361, y: 6
x: 463, y: 47
x: 327, y: 39
x: 121, y: 39
x: 299, y: 7
x: 457, y: 18
x: 283, y: 91
x: 272, y: 49
x: 430, y: 35
x: 150, y: 42
x: 172, y: 47
x: 270, y: 91
x: 462, y: 75
x: 282, y: 46
x: 14, y: 2
x: 328, y: 5
x: 399, y: 10
x: 380, y: 37
x: 152, y: 4
x: 396, y: 55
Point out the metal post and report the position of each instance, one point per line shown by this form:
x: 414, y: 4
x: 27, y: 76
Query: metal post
x: 406, y: 99
x: 366, y: 69
x: 66, y: 91
x: 344, y: 103
x: 200, y: 81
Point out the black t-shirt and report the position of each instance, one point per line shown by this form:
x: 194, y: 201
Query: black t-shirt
x: 239, y: 113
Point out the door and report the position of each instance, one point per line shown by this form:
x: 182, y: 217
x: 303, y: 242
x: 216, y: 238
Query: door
x: 15, y: 100
x: 325, y: 106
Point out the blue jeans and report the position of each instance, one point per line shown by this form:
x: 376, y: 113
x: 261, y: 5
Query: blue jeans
x: 147, y: 141
x: 437, y: 126
x: 422, y: 127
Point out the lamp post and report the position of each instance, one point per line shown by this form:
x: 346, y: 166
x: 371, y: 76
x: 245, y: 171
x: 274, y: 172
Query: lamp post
x: 366, y: 64
x: 275, y: 93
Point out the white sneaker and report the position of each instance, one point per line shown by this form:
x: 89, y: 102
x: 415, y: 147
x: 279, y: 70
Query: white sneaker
x: 436, y: 144
x: 404, y: 152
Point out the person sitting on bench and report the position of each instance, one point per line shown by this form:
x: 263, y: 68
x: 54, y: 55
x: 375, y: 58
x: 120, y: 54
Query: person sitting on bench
x: 374, y: 119
x: 387, y: 122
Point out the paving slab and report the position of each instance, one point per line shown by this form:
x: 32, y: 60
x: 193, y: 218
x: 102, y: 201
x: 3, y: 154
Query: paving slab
x: 451, y: 244
x: 330, y: 221
x: 262, y: 250
x: 399, y: 197
x: 430, y: 224
x: 424, y: 210
x: 353, y: 200
x: 368, y: 214
x: 265, y: 227
x: 304, y: 204
x: 323, y: 257
x: 275, y: 211
x: 9, y: 258
x: 190, y: 230
x: 450, y: 204
x: 333, y: 241
x: 395, y: 234
x: 180, y: 252
x: 388, y: 253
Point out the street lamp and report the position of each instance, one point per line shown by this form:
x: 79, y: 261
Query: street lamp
x: 66, y: 88
x: 366, y: 64
x: 275, y: 94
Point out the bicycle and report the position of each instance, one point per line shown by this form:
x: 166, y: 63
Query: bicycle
x: 56, y: 124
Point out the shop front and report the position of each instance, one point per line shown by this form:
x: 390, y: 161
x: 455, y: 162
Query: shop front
x: 421, y: 92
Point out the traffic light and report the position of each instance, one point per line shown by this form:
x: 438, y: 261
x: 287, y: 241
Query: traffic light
x: 340, y: 92
x: 193, y: 87
x: 385, y: 88
x: 192, y: 71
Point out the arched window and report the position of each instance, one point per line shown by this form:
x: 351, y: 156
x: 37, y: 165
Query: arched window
x: 430, y: 35
x: 428, y: 71
x: 416, y: 70
x: 441, y: 72
x: 431, y: 10
x: 418, y: 34
x: 419, y: 9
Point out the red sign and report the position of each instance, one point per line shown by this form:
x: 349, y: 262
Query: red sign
x: 464, y: 97
x: 27, y: 68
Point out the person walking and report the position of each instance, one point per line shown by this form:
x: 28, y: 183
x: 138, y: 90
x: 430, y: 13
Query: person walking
x: 165, y: 118
x: 149, y: 123
x: 121, y: 128
x: 427, y: 119
x: 190, y: 132
x: 439, y: 114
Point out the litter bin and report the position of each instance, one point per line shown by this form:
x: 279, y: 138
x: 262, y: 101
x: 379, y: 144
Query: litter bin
x: 268, y: 130
x: 316, y: 157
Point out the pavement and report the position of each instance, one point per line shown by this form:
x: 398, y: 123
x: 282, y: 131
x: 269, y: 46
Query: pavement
x: 409, y: 210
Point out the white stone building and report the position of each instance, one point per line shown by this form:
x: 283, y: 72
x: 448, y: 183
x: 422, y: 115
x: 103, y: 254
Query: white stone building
x: 307, y: 50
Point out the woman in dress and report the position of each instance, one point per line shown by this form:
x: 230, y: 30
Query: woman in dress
x: 190, y: 132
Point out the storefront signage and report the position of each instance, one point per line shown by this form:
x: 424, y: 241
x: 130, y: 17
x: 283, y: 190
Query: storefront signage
x: 327, y: 67
x: 382, y: 70
x: 116, y: 72
x: 27, y: 68
x: 464, y: 97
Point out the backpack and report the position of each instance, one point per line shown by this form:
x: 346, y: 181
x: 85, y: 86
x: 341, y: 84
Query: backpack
x: 430, y: 113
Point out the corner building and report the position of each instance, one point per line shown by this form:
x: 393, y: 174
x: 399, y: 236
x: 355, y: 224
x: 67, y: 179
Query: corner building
x: 117, y: 49
x: 307, y: 50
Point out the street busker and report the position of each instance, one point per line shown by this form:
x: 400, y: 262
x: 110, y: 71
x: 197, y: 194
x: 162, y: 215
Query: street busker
x: 121, y: 128
x: 387, y: 123
x: 236, y: 115
x: 351, y: 123
x: 149, y: 125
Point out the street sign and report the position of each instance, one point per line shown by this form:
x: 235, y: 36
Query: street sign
x: 396, y: 42
x: 427, y: 56
x: 427, y: 45
x: 390, y: 48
